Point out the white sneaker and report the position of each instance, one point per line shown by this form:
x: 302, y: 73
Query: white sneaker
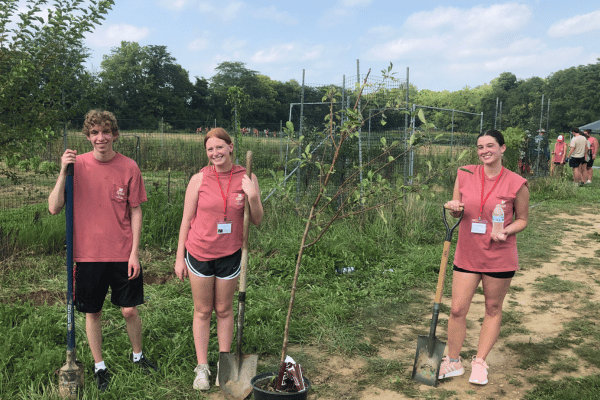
x: 202, y: 374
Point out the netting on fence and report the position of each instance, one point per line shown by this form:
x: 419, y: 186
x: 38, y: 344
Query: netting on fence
x: 168, y: 158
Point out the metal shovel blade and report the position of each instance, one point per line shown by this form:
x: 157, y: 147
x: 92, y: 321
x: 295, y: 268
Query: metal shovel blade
x: 71, y: 378
x: 235, y: 373
x: 428, y: 360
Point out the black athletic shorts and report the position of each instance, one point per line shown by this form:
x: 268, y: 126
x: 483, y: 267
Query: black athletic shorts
x: 92, y: 280
x: 576, y: 162
x: 500, y: 275
x: 227, y: 267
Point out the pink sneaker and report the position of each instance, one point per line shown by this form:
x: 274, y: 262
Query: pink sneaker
x: 479, y: 371
x: 448, y: 369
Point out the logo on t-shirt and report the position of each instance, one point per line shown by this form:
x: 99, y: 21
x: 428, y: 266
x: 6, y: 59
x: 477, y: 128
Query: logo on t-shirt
x: 239, y: 199
x: 120, y: 193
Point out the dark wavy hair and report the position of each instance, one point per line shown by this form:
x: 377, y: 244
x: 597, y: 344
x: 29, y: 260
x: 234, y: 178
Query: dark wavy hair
x: 495, y: 134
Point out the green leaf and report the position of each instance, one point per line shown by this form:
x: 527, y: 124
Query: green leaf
x: 461, y: 155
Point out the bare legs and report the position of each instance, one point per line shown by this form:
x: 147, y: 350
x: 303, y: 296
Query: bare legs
x: 212, y: 294
x: 463, y: 288
x: 93, y: 330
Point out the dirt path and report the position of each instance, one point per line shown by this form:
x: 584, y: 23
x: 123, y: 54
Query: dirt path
x: 537, y: 316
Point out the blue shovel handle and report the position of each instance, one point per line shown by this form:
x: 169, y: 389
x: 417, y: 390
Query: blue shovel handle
x: 69, y: 221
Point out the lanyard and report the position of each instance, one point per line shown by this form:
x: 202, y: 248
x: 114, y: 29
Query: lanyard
x: 490, y: 192
x: 223, y: 194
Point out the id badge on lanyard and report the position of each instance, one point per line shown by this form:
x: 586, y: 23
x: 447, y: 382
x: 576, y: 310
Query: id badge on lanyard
x: 479, y: 225
x: 224, y: 226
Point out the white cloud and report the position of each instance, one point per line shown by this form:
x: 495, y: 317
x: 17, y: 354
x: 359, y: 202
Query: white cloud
x: 272, y: 14
x: 233, y: 44
x: 175, y: 4
x: 112, y: 35
x: 199, y: 44
x: 576, y: 25
x: 482, y: 22
x: 276, y: 53
x: 355, y: 3
x: 232, y: 11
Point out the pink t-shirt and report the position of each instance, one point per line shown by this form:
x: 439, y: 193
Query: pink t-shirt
x: 103, y: 194
x: 593, y: 145
x: 559, y: 150
x: 477, y: 252
x: 203, y: 242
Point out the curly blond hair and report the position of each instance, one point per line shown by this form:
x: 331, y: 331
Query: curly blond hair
x: 100, y: 117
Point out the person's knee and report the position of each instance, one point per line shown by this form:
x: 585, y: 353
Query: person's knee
x: 493, y: 308
x: 129, y: 312
x: 223, y: 311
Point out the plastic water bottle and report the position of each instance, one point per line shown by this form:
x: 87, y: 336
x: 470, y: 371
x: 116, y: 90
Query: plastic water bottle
x: 497, y: 219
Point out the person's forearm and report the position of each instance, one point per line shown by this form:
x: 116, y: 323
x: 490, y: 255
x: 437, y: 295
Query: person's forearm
x: 136, y: 230
x: 56, y: 200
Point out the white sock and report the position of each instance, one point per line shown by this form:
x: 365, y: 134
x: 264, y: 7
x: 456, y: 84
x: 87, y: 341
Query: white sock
x: 99, y: 366
x: 137, y: 356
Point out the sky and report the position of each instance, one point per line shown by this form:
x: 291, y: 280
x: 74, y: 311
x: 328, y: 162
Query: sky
x: 445, y: 46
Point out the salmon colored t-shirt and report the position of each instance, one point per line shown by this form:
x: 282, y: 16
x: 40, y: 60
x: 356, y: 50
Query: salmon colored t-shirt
x: 477, y: 252
x: 103, y: 194
x: 559, y: 151
x: 203, y: 242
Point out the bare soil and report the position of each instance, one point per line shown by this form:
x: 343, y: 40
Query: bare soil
x: 506, y: 379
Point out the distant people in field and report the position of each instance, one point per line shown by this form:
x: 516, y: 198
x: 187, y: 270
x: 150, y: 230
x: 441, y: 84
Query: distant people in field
x: 578, y: 149
x: 559, y: 154
x: 590, y: 156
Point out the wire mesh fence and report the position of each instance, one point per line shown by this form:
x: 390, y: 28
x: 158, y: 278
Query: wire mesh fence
x: 168, y: 157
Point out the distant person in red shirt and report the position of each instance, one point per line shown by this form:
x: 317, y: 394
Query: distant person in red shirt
x: 483, y: 254
x: 107, y: 223
x: 210, y: 242
x: 559, y: 155
x: 593, y: 144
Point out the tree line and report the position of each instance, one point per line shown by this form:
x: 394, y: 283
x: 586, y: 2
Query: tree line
x: 43, y: 84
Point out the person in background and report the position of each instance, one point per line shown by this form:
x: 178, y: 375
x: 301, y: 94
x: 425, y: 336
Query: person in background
x: 578, y: 150
x: 485, y: 253
x: 107, y: 223
x: 210, y: 242
x: 559, y: 155
x: 591, y: 156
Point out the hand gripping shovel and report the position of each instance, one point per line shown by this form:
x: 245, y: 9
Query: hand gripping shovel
x: 71, y: 375
x: 236, y: 370
x: 430, y: 349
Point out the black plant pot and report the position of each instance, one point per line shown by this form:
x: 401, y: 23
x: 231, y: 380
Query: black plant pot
x: 260, y: 394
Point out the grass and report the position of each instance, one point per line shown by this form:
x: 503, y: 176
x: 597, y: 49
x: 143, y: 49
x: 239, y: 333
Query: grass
x: 394, y: 256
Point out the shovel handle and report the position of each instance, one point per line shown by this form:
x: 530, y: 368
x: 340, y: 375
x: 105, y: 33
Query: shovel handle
x: 69, y: 241
x: 244, y: 263
x: 445, y: 254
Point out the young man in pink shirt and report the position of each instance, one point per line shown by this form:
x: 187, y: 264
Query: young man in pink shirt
x: 107, y: 223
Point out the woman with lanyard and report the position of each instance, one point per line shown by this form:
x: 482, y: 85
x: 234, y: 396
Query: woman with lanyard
x: 210, y: 242
x: 484, y: 253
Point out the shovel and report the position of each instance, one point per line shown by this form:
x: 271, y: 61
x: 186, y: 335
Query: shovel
x: 236, y: 370
x: 430, y: 349
x: 71, y: 375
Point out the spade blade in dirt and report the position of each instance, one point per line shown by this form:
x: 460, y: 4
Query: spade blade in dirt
x: 235, y: 373
x: 430, y: 350
x: 427, y: 364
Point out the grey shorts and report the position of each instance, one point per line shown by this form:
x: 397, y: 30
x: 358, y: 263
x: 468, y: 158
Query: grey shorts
x: 227, y: 267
